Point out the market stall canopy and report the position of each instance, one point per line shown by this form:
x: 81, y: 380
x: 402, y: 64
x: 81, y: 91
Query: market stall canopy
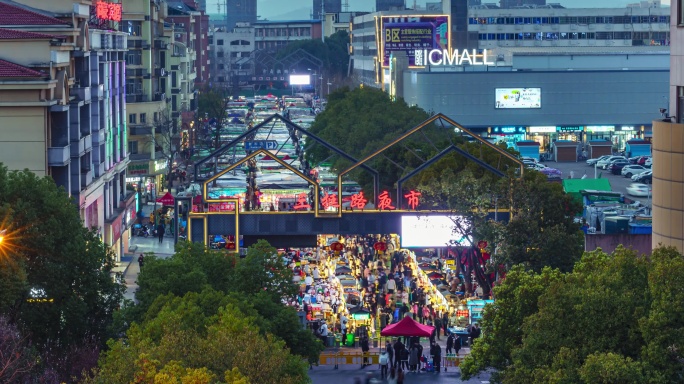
x: 407, y: 327
x: 434, y: 275
x: 343, y: 270
x: 167, y: 199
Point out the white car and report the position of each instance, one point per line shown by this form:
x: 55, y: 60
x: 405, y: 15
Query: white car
x: 528, y: 159
x: 649, y: 162
x: 605, y: 162
x: 631, y: 170
x: 638, y: 175
x: 591, y: 162
x: 537, y: 166
x: 638, y: 189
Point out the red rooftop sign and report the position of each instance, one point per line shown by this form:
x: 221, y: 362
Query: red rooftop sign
x: 108, y: 11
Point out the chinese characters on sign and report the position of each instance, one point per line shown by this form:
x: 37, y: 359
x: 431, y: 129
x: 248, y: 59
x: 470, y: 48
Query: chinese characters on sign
x: 358, y: 201
x: 301, y: 202
x: 330, y: 201
x: 412, y: 198
x: 108, y: 11
x: 385, y: 201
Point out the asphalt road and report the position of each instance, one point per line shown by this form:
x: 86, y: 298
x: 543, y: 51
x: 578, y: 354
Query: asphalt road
x: 619, y: 183
x: 347, y: 375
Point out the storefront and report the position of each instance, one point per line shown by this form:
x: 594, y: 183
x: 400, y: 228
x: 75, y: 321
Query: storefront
x: 542, y: 135
x: 508, y: 134
x: 117, y: 230
x: 569, y: 133
x: 146, y: 178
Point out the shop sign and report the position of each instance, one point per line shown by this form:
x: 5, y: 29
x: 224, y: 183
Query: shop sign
x: 600, y: 128
x: 116, y: 229
x: 462, y: 313
x: 131, y: 215
x: 160, y: 165
x: 215, y: 207
x: 358, y: 201
x: 301, y: 202
x: 509, y: 130
x: 360, y: 316
x: 412, y: 199
x: 443, y: 57
x: 385, y: 201
x: 132, y: 180
x: 138, y: 169
x: 108, y: 11
x: 330, y: 201
x: 569, y: 128
x: 626, y: 128
x: 550, y: 129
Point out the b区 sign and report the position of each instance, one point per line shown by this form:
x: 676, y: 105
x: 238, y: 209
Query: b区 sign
x: 108, y: 11
x: 443, y: 57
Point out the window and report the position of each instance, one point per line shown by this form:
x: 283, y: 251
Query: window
x: 134, y: 28
x: 221, y: 66
x: 133, y: 146
x: 219, y: 54
x: 156, y: 117
x: 680, y: 12
x: 680, y: 104
x: 143, y: 118
x: 219, y: 42
x: 221, y: 79
x: 131, y: 118
x: 134, y: 57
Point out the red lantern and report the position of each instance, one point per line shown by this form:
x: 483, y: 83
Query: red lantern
x: 337, y: 247
x: 380, y: 246
x: 482, y: 244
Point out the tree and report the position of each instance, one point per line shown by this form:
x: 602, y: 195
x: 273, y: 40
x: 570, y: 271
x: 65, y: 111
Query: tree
x: 62, y: 296
x: 186, y: 338
x: 212, y: 104
x: 333, y: 53
x: 610, y: 320
x: 164, y: 140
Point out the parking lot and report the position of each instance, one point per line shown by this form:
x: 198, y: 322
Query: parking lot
x: 619, y: 183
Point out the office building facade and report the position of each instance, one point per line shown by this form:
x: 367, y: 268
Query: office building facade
x: 390, y: 5
x: 326, y: 6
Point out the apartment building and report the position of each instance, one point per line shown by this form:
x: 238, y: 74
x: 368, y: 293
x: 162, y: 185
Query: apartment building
x: 62, y: 106
x: 231, y: 60
x: 187, y: 16
x: 273, y: 35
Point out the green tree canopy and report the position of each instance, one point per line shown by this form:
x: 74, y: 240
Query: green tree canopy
x: 611, y: 320
x: 55, y: 274
x: 192, y: 337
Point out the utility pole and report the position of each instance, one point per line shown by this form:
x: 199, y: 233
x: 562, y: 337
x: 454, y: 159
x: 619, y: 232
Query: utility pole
x: 323, y: 21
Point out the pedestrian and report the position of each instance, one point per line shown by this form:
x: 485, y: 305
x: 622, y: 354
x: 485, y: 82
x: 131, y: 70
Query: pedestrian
x: 438, y: 326
x: 390, y: 353
x: 398, y: 348
x: 365, y: 347
x: 160, y: 231
x: 343, y: 326
x: 436, y: 352
x: 400, y: 376
x: 450, y: 344
x: 445, y: 322
x: 141, y: 260
x: 384, y: 362
x: 413, y: 358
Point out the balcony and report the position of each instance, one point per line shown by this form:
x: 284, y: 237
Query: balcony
x: 82, y: 93
x: 175, y: 91
x: 140, y: 130
x: 99, y: 170
x: 77, y: 148
x: 137, y: 98
x: 145, y: 45
x: 160, y: 72
x: 86, y: 179
x: 159, y: 96
x: 58, y: 156
x: 161, y: 44
x: 88, y: 142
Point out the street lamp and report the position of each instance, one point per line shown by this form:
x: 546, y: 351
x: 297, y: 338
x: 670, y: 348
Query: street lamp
x: 2, y: 235
x: 329, y: 84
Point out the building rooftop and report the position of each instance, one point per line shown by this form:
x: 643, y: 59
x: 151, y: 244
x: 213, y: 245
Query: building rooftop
x: 11, y: 14
x: 641, y: 50
x: 12, y: 70
x: 11, y: 34
x: 314, y: 21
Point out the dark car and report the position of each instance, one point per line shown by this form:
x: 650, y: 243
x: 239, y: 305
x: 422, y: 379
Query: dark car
x: 616, y: 167
x: 646, y: 179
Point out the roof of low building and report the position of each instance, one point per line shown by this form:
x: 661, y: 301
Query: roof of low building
x: 12, y: 34
x: 13, y: 70
x: 11, y: 14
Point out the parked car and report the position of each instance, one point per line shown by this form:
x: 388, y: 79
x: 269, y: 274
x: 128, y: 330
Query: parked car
x: 642, y: 160
x: 642, y: 174
x: 528, y: 159
x: 638, y: 189
x: 648, y: 162
x: 605, y: 162
x: 645, y: 179
x: 591, y: 162
x: 630, y: 170
x: 616, y: 166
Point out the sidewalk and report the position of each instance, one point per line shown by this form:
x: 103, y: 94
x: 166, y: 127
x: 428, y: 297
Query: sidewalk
x: 129, y: 264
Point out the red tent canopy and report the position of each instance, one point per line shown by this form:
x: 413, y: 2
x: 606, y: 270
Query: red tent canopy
x: 167, y: 199
x: 407, y: 327
x: 197, y: 199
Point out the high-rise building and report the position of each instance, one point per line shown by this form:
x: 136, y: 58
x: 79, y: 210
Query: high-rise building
x: 390, y: 5
x: 331, y: 6
x: 240, y: 11
x: 63, y: 107
x: 520, y: 3
x: 461, y: 38
x: 668, y: 147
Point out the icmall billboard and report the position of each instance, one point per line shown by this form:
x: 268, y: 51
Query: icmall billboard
x: 411, y: 33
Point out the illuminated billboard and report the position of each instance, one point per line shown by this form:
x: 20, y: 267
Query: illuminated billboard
x: 518, y: 98
x: 431, y: 231
x: 300, y: 80
x: 411, y: 33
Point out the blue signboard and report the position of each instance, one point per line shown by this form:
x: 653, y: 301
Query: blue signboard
x: 260, y: 144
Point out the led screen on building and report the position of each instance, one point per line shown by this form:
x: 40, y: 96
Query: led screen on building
x: 518, y: 98
x: 430, y: 231
x: 300, y: 80
x: 411, y: 33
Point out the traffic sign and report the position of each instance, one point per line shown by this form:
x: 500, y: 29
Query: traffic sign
x: 260, y: 144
